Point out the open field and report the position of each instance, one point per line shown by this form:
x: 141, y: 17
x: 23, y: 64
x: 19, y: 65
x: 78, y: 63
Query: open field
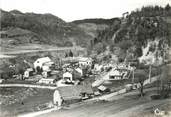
x: 23, y: 100
x: 33, y: 48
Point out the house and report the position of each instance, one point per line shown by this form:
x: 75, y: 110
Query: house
x: 50, y: 80
x: 71, y: 93
x: 115, y: 75
x: 47, y: 81
x: 28, y: 72
x: 43, y: 63
x: 46, y: 74
x: 68, y: 76
x: 69, y: 79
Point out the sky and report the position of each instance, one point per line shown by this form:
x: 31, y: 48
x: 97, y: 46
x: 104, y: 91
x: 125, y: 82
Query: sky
x: 70, y: 10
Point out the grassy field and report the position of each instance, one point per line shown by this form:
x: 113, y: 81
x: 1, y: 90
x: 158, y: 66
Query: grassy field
x: 16, y: 101
x: 29, y: 48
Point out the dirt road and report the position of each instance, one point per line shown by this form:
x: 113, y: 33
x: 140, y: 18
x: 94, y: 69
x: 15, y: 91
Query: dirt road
x: 29, y: 86
x: 121, y: 106
x: 25, y: 49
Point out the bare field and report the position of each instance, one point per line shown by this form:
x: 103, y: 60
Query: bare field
x: 29, y: 48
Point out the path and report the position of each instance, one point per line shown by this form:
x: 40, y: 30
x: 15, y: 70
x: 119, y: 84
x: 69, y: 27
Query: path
x: 29, y: 86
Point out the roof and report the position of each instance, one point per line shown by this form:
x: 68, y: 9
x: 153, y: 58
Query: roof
x: 115, y: 73
x: 73, y: 92
x: 49, y: 63
x: 82, y: 59
x: 79, y: 70
x: 67, y: 74
x: 44, y: 60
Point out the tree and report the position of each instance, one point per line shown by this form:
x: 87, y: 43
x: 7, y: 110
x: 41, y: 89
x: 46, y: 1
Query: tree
x: 6, y: 73
x: 70, y: 54
x: 66, y: 55
x: 167, y: 7
x: 39, y: 70
x: 140, y: 77
x: 165, y: 80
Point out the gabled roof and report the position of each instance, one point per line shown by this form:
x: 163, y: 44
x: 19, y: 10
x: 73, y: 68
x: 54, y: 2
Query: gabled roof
x: 73, y: 92
x: 67, y: 74
x: 44, y: 60
x: 83, y: 59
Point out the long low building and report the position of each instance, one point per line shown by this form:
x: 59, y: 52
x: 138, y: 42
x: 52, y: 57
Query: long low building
x: 72, y: 92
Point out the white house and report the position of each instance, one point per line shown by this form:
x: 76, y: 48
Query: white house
x: 115, y: 75
x: 67, y: 76
x: 43, y: 63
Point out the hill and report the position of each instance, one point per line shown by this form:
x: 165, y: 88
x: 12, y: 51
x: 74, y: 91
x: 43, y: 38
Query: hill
x: 42, y: 28
x: 96, y: 21
x: 143, y: 33
x: 93, y: 26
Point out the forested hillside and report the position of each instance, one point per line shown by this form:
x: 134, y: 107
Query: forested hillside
x: 147, y: 29
x: 43, y: 28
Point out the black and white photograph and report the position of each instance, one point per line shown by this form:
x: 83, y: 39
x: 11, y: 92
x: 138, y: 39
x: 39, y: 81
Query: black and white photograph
x: 85, y: 58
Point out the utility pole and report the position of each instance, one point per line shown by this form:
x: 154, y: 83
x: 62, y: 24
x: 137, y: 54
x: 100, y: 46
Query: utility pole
x: 133, y: 76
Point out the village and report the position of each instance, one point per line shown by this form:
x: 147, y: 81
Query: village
x: 74, y: 71
x: 78, y: 78
x: 90, y: 67
x: 75, y: 77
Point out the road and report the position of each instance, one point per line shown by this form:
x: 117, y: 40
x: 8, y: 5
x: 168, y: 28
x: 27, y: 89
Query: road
x: 16, y: 50
x: 124, y: 107
x: 28, y: 86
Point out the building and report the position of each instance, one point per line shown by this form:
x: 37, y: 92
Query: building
x: 47, y: 81
x: 115, y: 75
x: 84, y: 61
x: 28, y: 73
x: 71, y: 93
x: 43, y: 63
x: 68, y: 76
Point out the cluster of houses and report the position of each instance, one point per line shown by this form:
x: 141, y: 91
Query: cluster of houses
x: 70, y: 78
x: 71, y: 72
x: 75, y: 70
